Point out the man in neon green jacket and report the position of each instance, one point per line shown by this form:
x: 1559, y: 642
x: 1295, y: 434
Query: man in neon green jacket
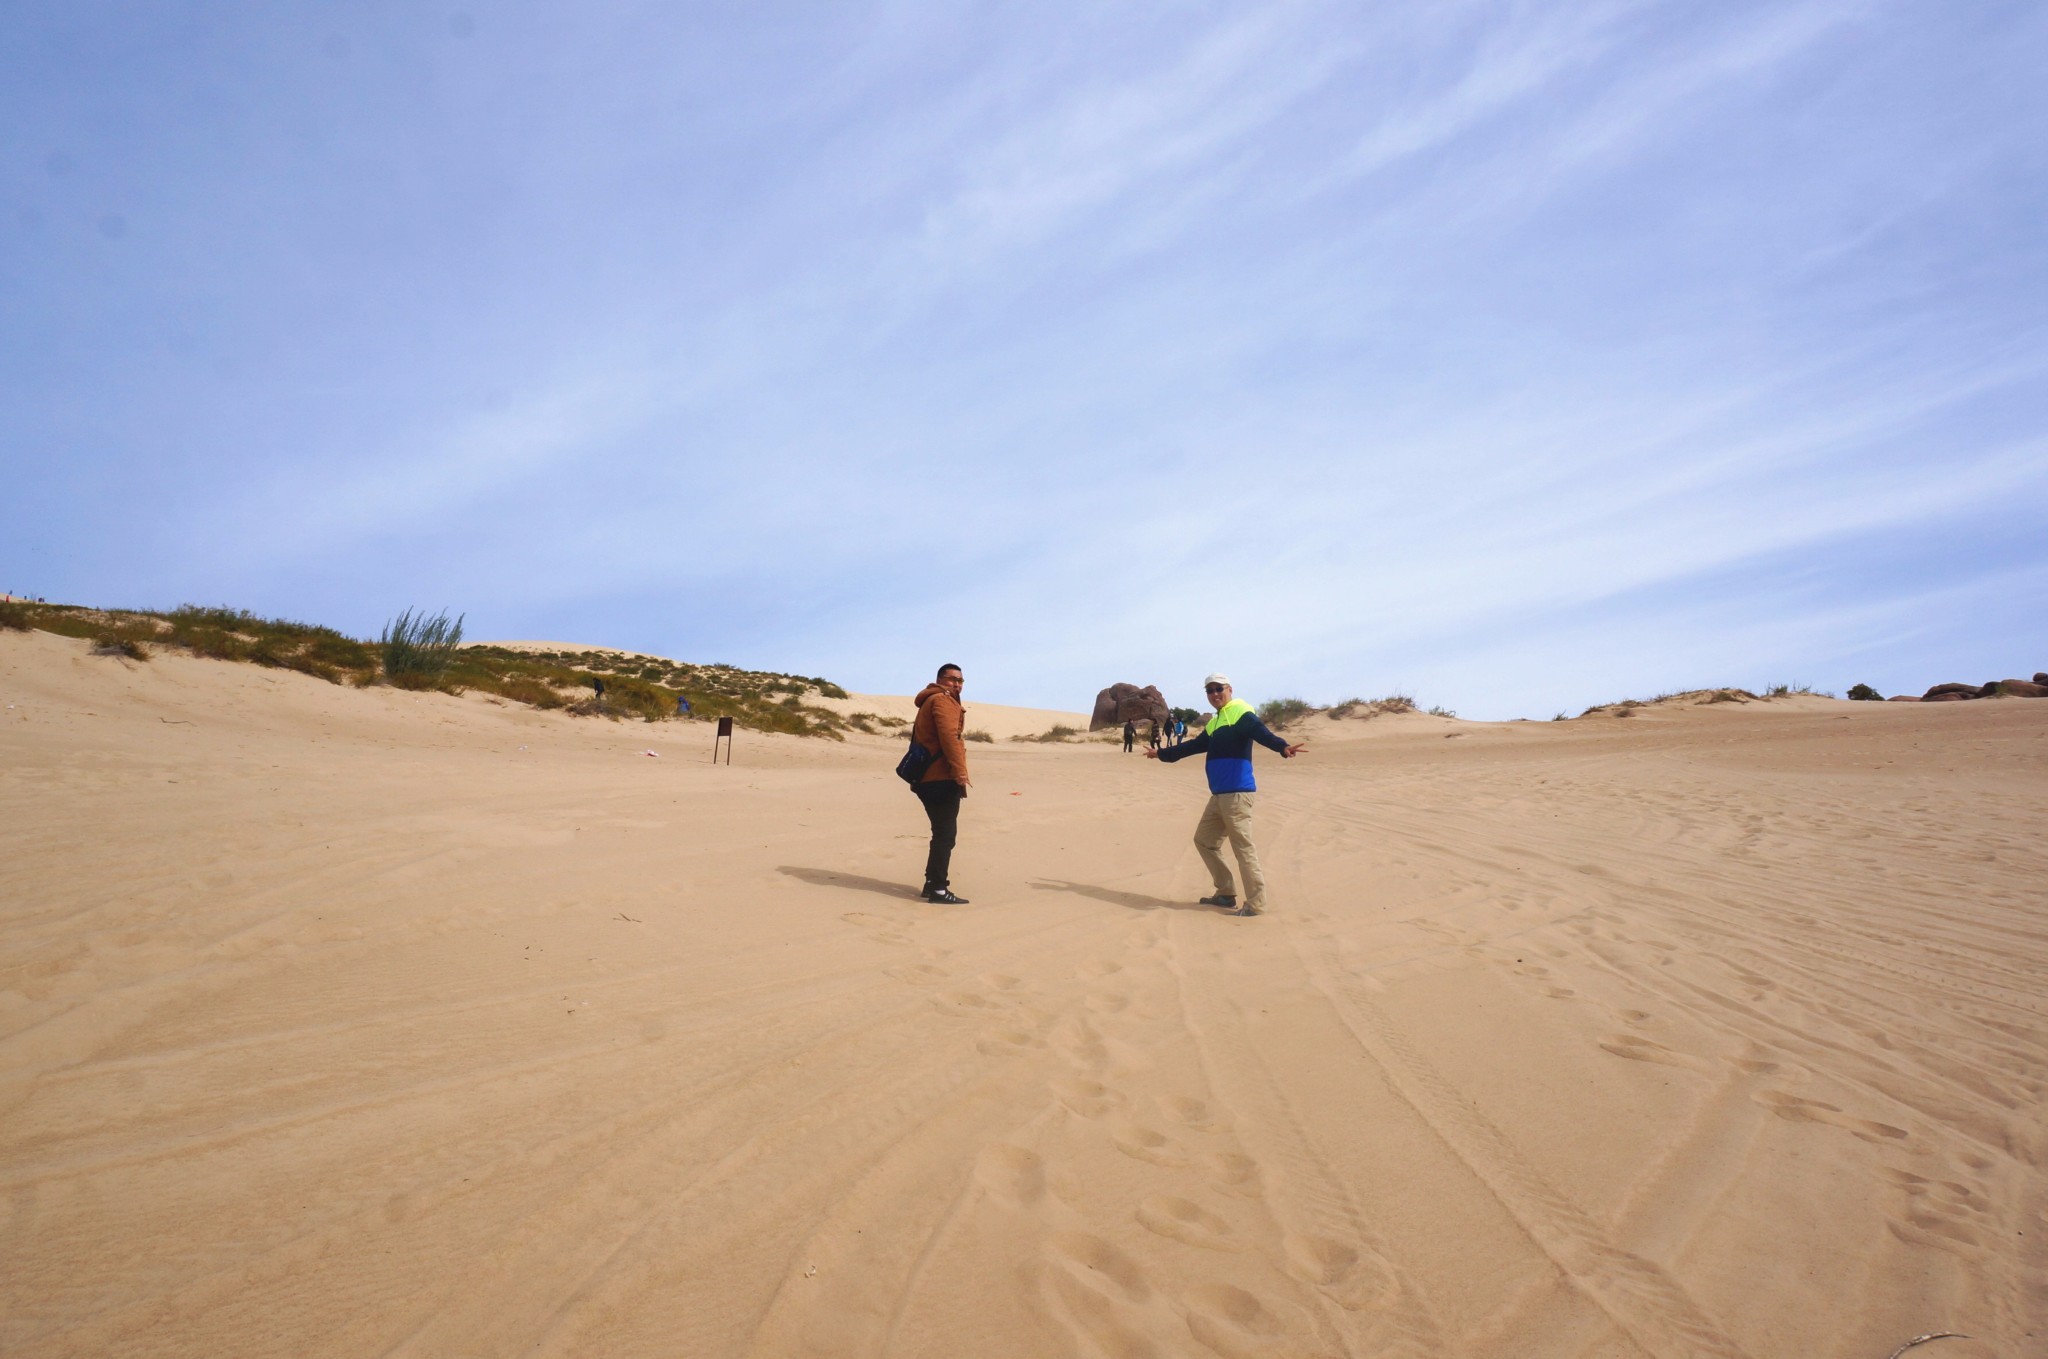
x: 1227, y: 742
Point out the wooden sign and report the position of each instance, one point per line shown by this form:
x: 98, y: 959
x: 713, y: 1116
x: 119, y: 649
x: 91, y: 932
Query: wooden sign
x: 725, y: 735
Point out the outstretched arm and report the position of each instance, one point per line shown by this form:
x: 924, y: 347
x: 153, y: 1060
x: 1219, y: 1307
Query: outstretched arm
x: 1263, y: 734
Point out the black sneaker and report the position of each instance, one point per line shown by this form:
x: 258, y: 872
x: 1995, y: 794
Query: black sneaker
x: 943, y: 896
x: 1228, y: 903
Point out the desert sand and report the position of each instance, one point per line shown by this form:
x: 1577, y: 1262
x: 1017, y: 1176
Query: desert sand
x: 340, y: 1022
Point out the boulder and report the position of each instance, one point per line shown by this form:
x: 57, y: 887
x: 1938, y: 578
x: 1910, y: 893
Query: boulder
x: 1952, y: 691
x: 1969, y: 692
x: 1121, y: 703
x: 2041, y: 677
x: 1904, y: 698
x: 2020, y: 688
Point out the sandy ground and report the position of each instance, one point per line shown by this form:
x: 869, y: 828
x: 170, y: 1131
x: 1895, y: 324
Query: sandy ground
x: 361, y: 1023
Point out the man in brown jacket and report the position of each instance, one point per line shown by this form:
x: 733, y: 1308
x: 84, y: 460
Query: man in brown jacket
x: 941, y: 721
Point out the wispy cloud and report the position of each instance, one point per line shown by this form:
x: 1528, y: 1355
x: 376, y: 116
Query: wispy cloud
x: 1518, y: 350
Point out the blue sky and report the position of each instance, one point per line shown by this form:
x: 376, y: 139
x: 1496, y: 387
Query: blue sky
x: 1516, y: 356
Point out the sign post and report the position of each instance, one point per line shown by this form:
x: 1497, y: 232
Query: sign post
x: 725, y: 735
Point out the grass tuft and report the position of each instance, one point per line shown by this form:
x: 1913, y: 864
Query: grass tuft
x: 1058, y: 732
x: 418, y: 650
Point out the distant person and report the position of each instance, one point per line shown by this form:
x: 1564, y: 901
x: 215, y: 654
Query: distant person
x: 682, y: 706
x: 597, y: 683
x: 1228, y: 743
x: 1180, y: 730
x: 1130, y: 736
x: 1152, y: 734
x: 939, y: 728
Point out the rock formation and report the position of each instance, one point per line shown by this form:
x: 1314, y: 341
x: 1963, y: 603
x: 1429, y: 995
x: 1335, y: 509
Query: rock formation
x: 2037, y: 687
x: 1121, y: 703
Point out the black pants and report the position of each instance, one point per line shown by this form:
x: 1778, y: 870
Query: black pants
x: 941, y: 799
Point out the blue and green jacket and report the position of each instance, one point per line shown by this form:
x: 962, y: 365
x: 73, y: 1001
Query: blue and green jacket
x: 1228, y: 742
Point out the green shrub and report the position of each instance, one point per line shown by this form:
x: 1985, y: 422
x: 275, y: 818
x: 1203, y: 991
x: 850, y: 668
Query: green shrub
x: 1059, y: 731
x: 1278, y: 712
x: 418, y: 649
x: 111, y: 643
x: 977, y: 735
x: 14, y: 617
x: 1863, y: 693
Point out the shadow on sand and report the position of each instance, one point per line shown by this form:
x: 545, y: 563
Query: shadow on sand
x: 1133, y: 901
x: 821, y: 877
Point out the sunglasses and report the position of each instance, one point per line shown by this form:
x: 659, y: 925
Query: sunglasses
x: 1214, y: 688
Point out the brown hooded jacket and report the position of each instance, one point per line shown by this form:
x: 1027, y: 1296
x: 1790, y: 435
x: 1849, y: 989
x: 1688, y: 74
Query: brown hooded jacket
x: 939, y: 727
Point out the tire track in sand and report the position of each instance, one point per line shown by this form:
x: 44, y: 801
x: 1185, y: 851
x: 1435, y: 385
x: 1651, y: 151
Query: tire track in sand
x: 1638, y: 1296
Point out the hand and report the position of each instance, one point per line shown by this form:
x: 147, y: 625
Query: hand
x: 1150, y: 753
x: 1292, y: 751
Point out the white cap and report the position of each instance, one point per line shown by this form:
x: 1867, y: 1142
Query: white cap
x: 1216, y: 679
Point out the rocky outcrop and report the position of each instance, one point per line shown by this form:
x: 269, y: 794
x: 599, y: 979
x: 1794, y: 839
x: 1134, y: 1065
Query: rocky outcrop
x: 1121, y: 703
x: 2037, y: 687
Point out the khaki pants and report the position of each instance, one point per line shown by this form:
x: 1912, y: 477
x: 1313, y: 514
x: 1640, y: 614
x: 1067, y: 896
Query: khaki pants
x: 1229, y: 817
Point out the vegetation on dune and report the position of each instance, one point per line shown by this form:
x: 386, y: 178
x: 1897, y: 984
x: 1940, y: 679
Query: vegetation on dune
x: 1052, y: 735
x: 1863, y: 693
x: 422, y: 652
x: 1278, y: 712
x: 1702, y: 697
x: 418, y: 650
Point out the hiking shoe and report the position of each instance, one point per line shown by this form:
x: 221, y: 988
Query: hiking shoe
x: 1224, y: 899
x: 1247, y: 910
x: 943, y: 896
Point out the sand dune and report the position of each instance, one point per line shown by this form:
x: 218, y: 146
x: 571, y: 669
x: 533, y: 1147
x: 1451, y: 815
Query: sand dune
x: 344, y: 1022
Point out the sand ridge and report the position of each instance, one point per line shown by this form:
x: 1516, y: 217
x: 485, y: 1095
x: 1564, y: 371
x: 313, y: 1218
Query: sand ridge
x: 346, y: 1022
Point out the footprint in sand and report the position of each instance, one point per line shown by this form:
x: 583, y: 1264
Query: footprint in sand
x: 963, y: 1003
x: 1108, y: 1002
x: 1099, y: 967
x: 1001, y: 981
x: 1357, y: 1280
x: 1184, y: 1220
x: 1643, y: 1050
x: 1135, y: 1139
x: 1008, y: 1043
x: 1235, y: 1173
x: 1189, y: 1113
x: 1801, y: 1110
x: 1096, y: 1286
x: 1011, y: 1174
x: 920, y: 974
x: 1080, y: 1044
x: 1089, y: 1099
x: 1242, y: 1325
